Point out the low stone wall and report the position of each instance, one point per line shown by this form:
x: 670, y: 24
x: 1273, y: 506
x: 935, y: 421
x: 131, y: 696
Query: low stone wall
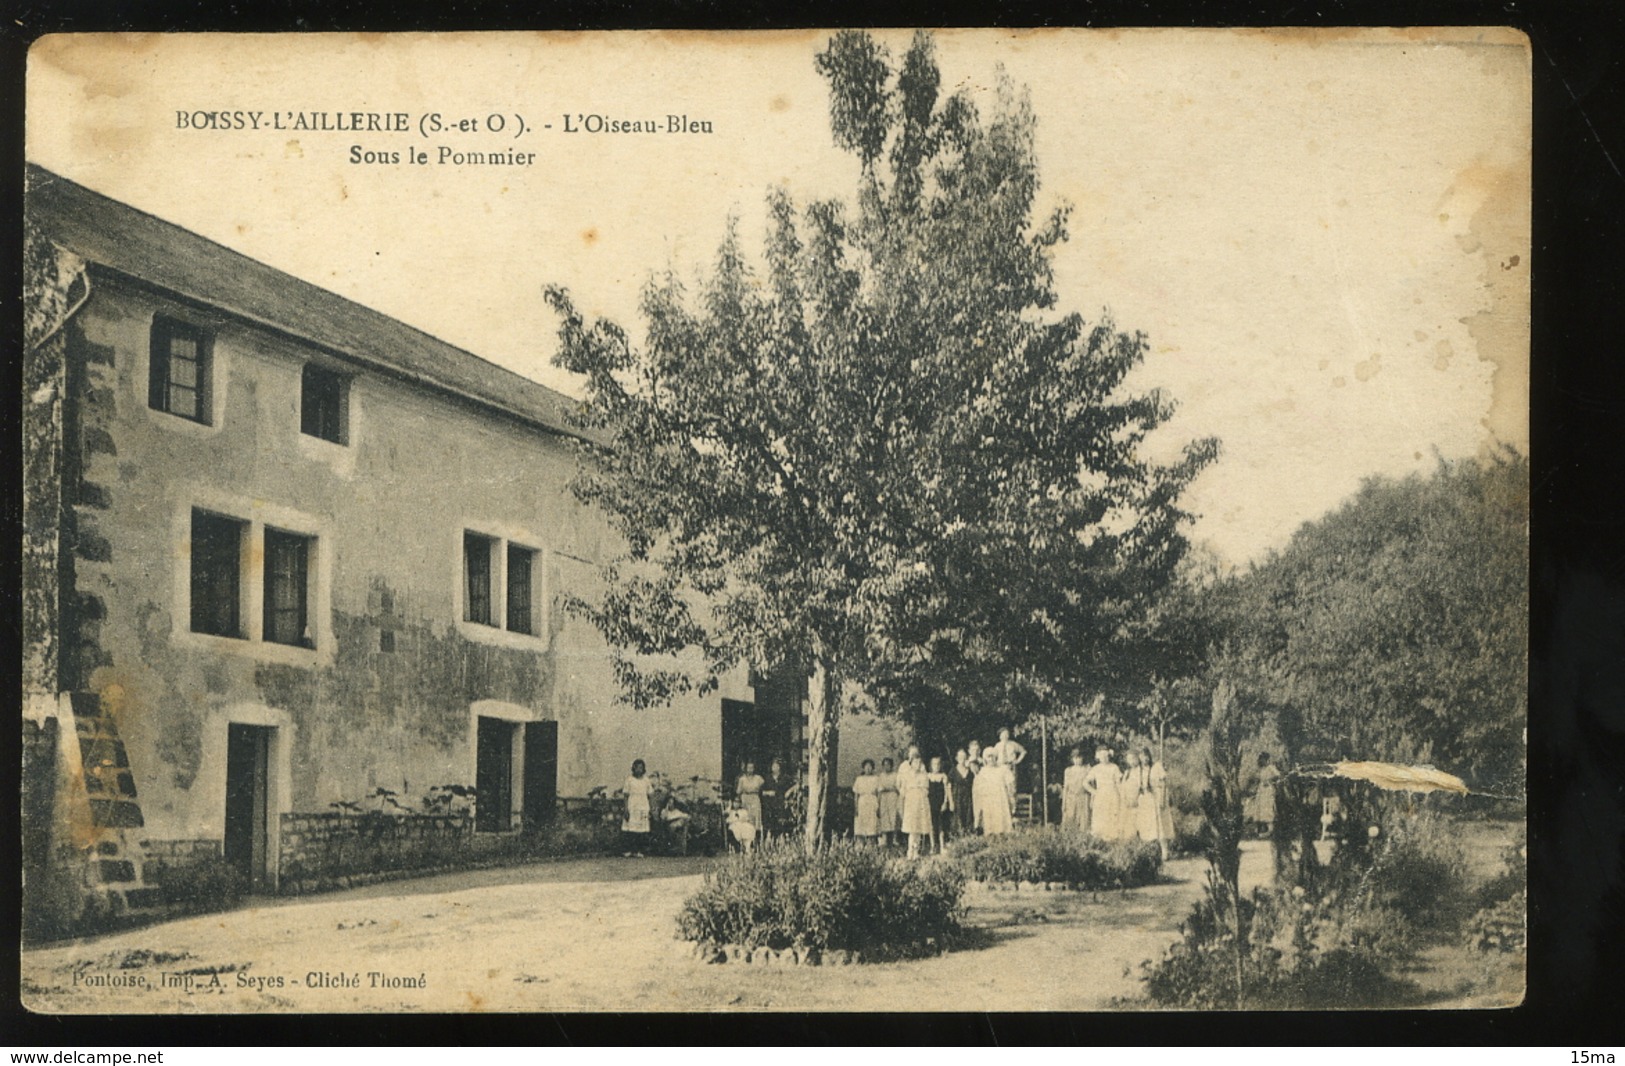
x: 333, y: 850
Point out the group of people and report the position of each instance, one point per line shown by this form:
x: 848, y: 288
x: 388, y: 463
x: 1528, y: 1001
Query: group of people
x: 1118, y: 803
x: 919, y: 804
x: 761, y: 808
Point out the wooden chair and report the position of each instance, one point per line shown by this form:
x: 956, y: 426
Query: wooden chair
x: 1026, y: 809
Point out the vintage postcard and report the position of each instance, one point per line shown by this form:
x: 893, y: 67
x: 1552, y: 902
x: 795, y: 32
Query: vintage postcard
x: 800, y: 521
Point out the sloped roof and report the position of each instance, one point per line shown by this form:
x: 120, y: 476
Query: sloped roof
x: 117, y: 236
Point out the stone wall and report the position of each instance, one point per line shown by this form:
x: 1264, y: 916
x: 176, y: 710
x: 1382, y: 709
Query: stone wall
x: 332, y: 850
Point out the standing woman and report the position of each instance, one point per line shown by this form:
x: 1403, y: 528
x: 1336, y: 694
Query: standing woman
x: 961, y: 779
x: 914, y: 791
x: 1156, y: 821
x: 774, y: 790
x: 992, y: 799
x: 1105, y: 799
x: 1075, y: 795
x: 1130, y: 789
x: 941, y: 802
x: 1260, y: 806
x: 891, y: 815
x: 639, y: 789
x: 749, y: 790
x: 1137, y: 798
x: 866, y: 802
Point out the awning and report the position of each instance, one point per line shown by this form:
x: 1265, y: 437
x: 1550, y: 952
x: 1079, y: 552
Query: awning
x: 1394, y: 777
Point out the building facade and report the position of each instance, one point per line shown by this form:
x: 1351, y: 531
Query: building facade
x: 285, y: 556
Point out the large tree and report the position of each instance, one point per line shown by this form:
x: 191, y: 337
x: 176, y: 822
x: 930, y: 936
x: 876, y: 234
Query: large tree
x: 1397, y: 626
x: 882, y: 457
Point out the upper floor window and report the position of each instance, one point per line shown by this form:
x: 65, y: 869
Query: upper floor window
x: 287, y: 588
x: 217, y: 553
x: 521, y: 565
x: 178, y: 370
x: 324, y: 404
x: 477, y: 574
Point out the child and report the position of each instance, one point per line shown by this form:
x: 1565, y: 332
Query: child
x: 866, y: 800
x: 742, y: 828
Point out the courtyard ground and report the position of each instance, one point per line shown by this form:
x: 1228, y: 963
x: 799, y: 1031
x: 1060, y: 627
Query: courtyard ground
x: 597, y: 934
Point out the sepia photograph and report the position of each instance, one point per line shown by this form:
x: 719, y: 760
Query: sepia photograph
x: 802, y: 520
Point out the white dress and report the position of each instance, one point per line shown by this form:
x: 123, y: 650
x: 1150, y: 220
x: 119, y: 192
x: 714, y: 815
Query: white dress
x: 638, y: 790
x: 866, y: 796
x: 1152, y: 819
x: 914, y: 792
x: 1106, y: 803
x: 991, y: 795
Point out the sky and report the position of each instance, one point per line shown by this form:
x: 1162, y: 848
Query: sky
x: 1323, y: 233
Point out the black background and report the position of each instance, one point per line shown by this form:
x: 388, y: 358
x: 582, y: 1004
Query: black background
x: 1577, y: 682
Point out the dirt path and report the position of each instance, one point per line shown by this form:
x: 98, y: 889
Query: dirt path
x: 589, y: 935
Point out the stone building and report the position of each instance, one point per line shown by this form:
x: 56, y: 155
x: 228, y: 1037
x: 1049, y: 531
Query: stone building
x: 287, y: 557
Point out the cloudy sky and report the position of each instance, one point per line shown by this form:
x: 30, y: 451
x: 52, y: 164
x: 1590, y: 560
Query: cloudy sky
x: 1324, y: 233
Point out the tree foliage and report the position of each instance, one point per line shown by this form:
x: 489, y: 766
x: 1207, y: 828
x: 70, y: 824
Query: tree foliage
x: 883, y: 452
x: 1397, y: 626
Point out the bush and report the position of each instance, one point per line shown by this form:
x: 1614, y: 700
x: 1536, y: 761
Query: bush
x: 1502, y: 919
x: 1333, y: 941
x: 1058, y: 855
x: 56, y: 903
x: 1502, y: 926
x: 200, y: 885
x: 1299, y: 951
x: 842, y: 898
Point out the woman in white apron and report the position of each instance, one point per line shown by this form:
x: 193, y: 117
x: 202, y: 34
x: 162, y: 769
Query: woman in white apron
x: 639, y: 789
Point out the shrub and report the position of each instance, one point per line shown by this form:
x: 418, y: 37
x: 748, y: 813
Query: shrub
x: 1502, y: 919
x: 1502, y: 926
x: 1058, y: 855
x: 200, y: 885
x: 843, y: 897
x: 56, y: 903
x: 1298, y: 951
x: 1333, y: 941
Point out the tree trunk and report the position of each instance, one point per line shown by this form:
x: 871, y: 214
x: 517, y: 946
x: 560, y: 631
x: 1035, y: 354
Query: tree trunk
x: 823, y: 717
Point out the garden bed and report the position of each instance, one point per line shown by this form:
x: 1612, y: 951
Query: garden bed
x: 1056, y: 860
x: 842, y: 903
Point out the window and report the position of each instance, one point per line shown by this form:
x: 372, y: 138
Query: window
x: 520, y: 566
x: 287, y: 588
x: 217, y: 552
x: 323, y: 406
x: 477, y: 579
x: 178, y: 380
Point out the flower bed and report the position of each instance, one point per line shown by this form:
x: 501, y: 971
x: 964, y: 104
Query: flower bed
x: 844, y: 903
x: 1054, y: 859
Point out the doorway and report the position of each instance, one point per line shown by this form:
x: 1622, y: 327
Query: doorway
x: 541, y: 774
x: 248, y: 806
x: 493, y: 775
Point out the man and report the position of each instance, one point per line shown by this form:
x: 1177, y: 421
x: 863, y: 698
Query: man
x: 1010, y: 755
